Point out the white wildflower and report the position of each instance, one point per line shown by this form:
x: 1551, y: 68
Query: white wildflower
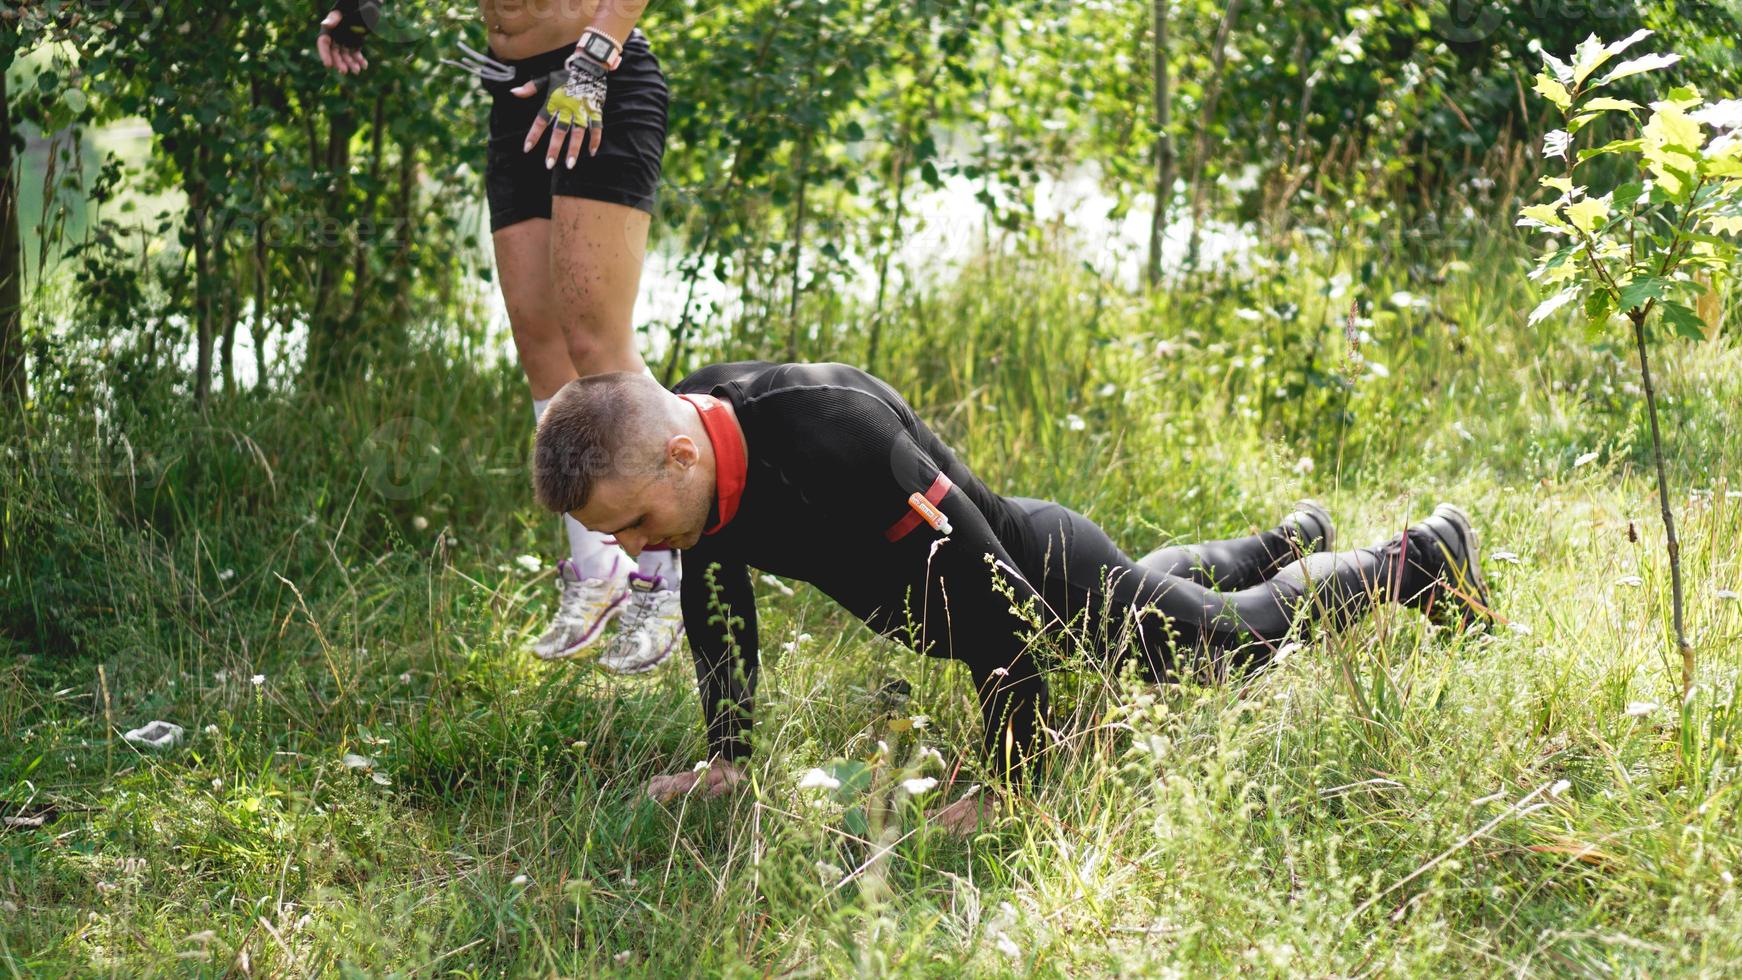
x: 921, y: 784
x: 818, y: 779
x: 1729, y: 594
x: 529, y: 563
x: 1509, y: 557
x: 1631, y: 581
x: 226, y: 575
x: 420, y: 523
x: 1589, y: 457
x: 1639, y: 709
x: 1075, y: 423
x: 257, y: 679
x: 520, y: 880
x: 1304, y: 466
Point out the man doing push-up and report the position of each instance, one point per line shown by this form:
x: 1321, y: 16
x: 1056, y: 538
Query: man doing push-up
x: 822, y: 473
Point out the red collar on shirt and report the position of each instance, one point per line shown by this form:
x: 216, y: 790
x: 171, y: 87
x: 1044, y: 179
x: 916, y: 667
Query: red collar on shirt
x: 731, y: 459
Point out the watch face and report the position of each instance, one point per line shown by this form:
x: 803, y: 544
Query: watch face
x: 600, y: 47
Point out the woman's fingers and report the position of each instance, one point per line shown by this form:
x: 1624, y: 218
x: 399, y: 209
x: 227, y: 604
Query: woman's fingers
x: 537, y: 130
x: 558, y: 135
x: 597, y: 134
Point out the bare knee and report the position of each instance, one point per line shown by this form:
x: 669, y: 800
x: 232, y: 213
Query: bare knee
x: 597, y: 347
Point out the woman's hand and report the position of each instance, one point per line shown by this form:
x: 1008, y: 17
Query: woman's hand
x: 716, y: 779
x: 340, y: 44
x: 574, y: 97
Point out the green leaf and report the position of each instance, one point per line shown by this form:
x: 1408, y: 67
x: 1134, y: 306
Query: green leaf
x: 855, y: 822
x: 1683, y: 97
x: 1599, y: 303
x: 1636, y: 293
x: 1672, y: 146
x: 1684, y: 321
x: 1604, y: 103
x: 854, y: 776
x: 1562, y: 184
x: 1584, y: 214
x: 1553, y: 90
x: 1628, y: 41
x: 1614, y: 146
x: 1588, y: 57
x: 1553, y: 303
x: 1541, y: 215
x: 75, y: 100
x: 1624, y: 196
x: 1725, y: 224
x: 1643, y: 63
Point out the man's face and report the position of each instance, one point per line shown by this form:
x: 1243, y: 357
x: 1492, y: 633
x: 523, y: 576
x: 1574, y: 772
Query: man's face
x: 667, y: 508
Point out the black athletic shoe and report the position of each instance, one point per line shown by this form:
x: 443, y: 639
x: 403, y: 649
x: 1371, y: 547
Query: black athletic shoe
x: 1441, y: 572
x: 1312, y: 527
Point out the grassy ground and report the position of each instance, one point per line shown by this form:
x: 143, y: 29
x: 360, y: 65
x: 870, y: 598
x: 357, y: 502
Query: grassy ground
x: 300, y: 578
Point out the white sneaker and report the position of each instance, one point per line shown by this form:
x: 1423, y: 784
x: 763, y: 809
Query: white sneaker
x: 587, y: 605
x: 650, y: 628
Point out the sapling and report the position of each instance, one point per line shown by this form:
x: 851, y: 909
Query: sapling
x: 1636, y: 251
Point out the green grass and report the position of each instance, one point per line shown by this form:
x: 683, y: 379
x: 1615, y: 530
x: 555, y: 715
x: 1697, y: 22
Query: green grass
x: 1379, y: 802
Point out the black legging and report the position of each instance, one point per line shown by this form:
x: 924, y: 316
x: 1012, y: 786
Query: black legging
x: 1236, y: 599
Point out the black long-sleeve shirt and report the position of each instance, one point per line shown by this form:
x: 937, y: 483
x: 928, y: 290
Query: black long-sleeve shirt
x: 833, y: 457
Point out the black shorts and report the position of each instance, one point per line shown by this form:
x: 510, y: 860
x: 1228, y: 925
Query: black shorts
x: 626, y: 169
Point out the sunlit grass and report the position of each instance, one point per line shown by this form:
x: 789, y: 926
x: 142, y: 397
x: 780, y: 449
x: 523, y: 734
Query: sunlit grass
x: 1384, y: 800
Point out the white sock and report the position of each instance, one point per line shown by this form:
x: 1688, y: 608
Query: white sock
x: 662, y: 562
x: 594, y: 555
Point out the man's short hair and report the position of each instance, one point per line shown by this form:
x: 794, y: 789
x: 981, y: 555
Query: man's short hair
x: 595, y: 427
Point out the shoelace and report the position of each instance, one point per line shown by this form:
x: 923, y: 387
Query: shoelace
x: 653, y: 603
x: 578, y: 595
x: 481, y: 66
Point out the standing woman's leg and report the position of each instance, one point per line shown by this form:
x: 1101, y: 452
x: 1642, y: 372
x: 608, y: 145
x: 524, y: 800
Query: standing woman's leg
x: 594, y: 576
x: 601, y: 213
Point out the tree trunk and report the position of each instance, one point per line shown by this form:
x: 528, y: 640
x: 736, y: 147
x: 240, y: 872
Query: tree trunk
x: 792, y: 328
x: 261, y: 325
x: 1683, y: 647
x: 1164, y: 156
x: 1212, y: 93
x: 895, y: 240
x: 14, y: 383
x: 197, y: 213
x: 326, y: 340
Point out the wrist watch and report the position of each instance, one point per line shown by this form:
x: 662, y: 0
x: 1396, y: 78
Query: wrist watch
x: 601, y: 47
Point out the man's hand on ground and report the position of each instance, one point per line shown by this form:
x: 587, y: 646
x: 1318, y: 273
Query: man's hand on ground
x: 964, y: 816
x: 717, y: 779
